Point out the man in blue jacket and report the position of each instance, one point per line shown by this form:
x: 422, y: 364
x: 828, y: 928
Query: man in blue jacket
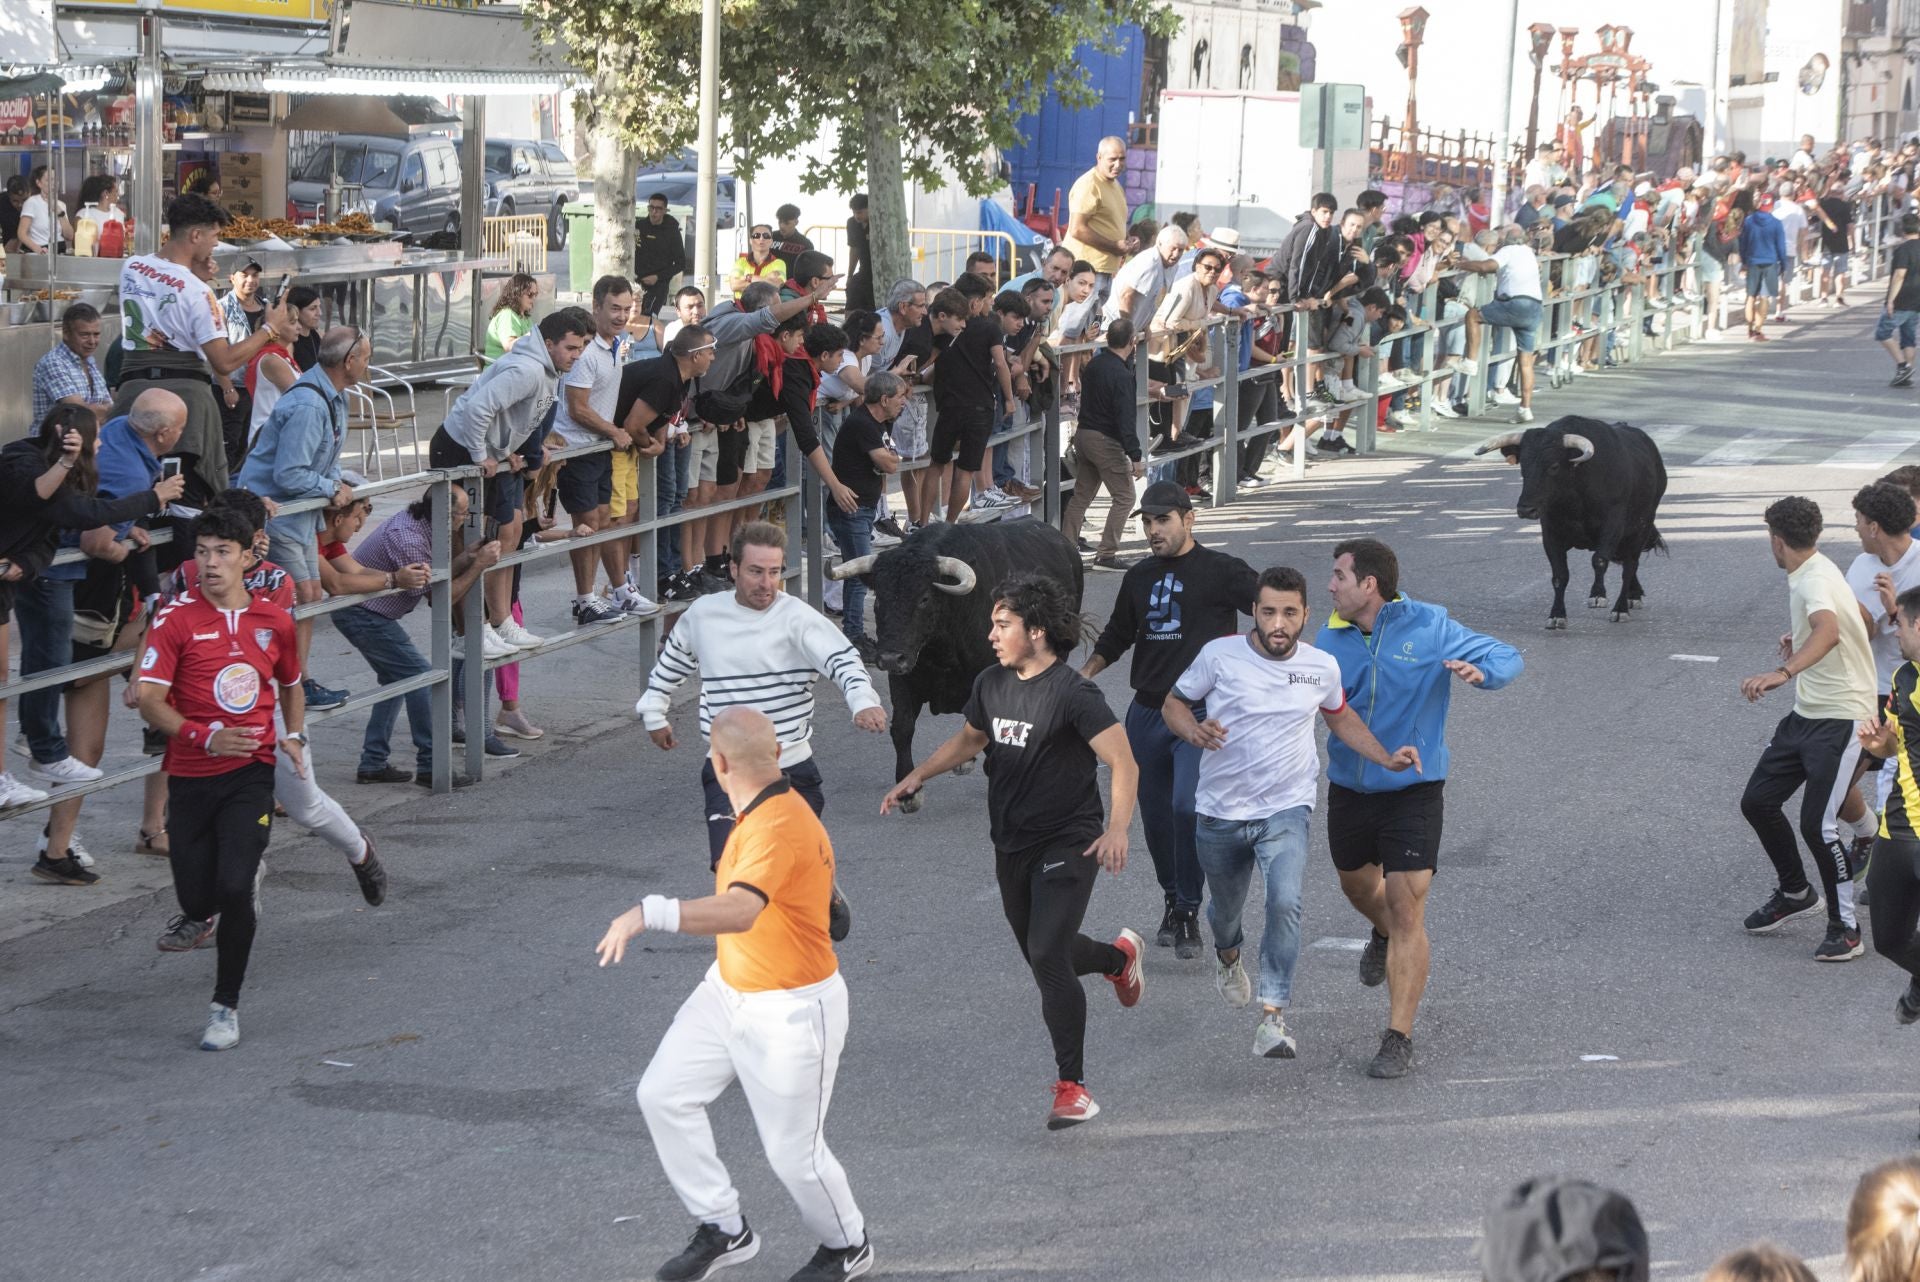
x: 1397, y: 657
x: 1763, y: 251
x: 297, y: 456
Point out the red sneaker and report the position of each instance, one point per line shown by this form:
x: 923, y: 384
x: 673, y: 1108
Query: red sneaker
x: 1071, y: 1106
x: 1131, y: 982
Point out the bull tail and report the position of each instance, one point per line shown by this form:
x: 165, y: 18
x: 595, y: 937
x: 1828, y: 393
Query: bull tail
x: 1654, y: 542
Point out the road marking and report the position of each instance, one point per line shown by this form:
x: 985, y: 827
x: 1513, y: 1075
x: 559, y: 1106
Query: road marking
x: 1599, y: 1059
x: 1695, y: 658
x: 1875, y: 450
x: 1467, y: 451
x: 1344, y: 945
x: 1664, y: 432
x: 1743, y: 450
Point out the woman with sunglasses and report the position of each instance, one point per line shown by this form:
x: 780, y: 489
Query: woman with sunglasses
x: 758, y: 263
x: 47, y: 484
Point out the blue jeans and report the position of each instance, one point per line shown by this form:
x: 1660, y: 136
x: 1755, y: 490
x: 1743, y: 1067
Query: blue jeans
x: 1229, y: 850
x: 43, y: 608
x: 1169, y: 775
x: 779, y: 479
x: 384, y: 644
x: 853, y: 532
x: 670, y: 493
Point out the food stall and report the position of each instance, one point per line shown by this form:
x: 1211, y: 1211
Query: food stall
x: 226, y: 77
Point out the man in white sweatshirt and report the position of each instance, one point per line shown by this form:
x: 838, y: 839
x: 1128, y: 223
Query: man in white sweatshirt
x: 759, y: 647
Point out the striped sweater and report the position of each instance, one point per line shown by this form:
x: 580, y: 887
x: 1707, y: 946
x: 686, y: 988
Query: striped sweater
x: 765, y: 659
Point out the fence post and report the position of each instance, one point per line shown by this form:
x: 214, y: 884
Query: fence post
x: 1050, y: 506
x: 806, y: 527
x: 1142, y: 423
x: 1301, y: 393
x: 1226, y: 463
x: 440, y: 630
x: 647, y: 546
x: 473, y: 617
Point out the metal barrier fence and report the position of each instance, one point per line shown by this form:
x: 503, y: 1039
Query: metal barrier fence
x: 1614, y: 316
x: 520, y: 239
x: 939, y: 253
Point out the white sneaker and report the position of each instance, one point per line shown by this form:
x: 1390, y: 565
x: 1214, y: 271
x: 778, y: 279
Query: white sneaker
x: 1444, y: 408
x: 995, y: 497
x: 631, y: 602
x: 1501, y: 396
x: 65, y: 770
x: 1231, y: 979
x: 223, y: 1028
x: 77, y: 851
x: 1523, y: 415
x: 495, y: 646
x: 1404, y: 419
x: 516, y: 635
x: 1272, y: 1040
x: 1464, y: 366
x: 15, y: 793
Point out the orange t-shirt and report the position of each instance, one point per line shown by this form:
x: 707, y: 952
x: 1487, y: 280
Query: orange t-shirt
x: 780, y: 850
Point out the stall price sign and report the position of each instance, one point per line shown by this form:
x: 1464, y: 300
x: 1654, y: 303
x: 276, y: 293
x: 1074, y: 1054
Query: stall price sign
x: 272, y: 10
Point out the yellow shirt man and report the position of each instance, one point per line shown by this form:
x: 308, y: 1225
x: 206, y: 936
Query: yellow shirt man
x: 1097, y: 207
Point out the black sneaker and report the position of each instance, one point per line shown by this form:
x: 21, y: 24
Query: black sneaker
x: 66, y: 871
x: 1169, y: 923
x: 709, y: 583
x: 839, y: 915
x: 385, y: 774
x: 425, y: 779
x: 371, y: 874
x: 320, y: 698
x: 707, y: 1250
x: 183, y: 934
x: 1859, y: 857
x: 1395, y: 1056
x: 1085, y: 547
x: 1117, y: 565
x: 1906, y: 1008
x: 1782, y: 908
x: 1186, y: 935
x: 1373, y: 960
x: 678, y: 587
x: 835, y: 1262
x: 594, y: 610
x: 890, y: 527
x: 1902, y: 375
x: 1841, y: 944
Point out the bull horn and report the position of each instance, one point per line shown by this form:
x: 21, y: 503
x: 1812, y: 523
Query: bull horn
x: 849, y: 569
x: 1499, y: 442
x: 1576, y: 442
x: 962, y: 574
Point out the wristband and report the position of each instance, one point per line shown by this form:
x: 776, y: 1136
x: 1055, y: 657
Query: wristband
x: 661, y: 914
x: 196, y: 734
x: 1782, y: 670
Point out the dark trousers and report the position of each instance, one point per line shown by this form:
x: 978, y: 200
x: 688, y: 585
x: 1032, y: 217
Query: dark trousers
x: 43, y: 609
x: 803, y: 775
x: 218, y: 826
x: 1169, y: 776
x: 1192, y: 469
x: 1045, y: 894
x: 234, y: 421
x: 1259, y: 403
x: 1819, y: 754
x: 1896, y: 902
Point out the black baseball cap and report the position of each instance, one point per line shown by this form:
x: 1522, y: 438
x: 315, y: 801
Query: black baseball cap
x: 251, y: 265
x: 1552, y: 1228
x: 1163, y: 497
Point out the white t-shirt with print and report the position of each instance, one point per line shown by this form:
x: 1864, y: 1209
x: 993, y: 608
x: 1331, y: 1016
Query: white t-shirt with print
x: 1270, y: 762
x: 1882, y: 637
x: 164, y: 307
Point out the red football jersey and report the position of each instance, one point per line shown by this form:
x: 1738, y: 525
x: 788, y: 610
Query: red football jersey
x: 221, y: 666
x: 267, y: 582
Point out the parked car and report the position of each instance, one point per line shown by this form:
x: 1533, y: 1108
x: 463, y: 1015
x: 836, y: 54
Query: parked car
x: 413, y: 183
x: 679, y: 186
x: 524, y: 176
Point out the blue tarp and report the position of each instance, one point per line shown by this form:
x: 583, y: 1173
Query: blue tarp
x: 995, y: 218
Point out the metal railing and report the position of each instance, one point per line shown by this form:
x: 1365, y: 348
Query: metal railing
x: 521, y: 239
x: 939, y: 253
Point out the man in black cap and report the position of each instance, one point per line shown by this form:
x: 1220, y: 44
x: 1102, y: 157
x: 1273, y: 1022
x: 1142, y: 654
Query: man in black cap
x: 1552, y: 1229
x: 1171, y: 603
x: 242, y: 310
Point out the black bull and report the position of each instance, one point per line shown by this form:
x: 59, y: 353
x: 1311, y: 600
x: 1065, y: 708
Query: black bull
x: 933, y: 606
x: 1591, y: 485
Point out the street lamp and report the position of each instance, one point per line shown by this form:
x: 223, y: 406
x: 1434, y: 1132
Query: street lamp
x: 1542, y: 34
x: 1413, y: 27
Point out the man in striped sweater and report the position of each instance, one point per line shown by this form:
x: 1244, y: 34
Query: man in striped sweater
x: 760, y: 648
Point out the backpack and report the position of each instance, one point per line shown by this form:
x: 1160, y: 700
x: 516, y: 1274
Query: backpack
x: 727, y: 405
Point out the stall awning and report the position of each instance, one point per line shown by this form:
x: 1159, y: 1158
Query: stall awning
x: 386, y: 117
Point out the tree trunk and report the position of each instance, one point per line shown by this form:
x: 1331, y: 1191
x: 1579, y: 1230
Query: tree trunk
x: 614, y: 168
x: 887, y: 237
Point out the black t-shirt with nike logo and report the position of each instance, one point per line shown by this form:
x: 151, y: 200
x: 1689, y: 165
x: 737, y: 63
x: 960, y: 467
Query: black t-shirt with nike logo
x: 1042, y: 789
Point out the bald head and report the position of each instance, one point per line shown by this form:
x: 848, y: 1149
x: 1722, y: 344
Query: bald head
x: 158, y: 415
x: 744, y: 745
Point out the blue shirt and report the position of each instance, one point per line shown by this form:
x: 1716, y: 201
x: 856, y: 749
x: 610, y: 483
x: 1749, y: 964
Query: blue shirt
x: 297, y: 454
x: 62, y: 373
x: 1762, y: 240
x: 127, y: 466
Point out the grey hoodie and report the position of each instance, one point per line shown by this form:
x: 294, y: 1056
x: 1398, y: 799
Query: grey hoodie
x: 506, y: 403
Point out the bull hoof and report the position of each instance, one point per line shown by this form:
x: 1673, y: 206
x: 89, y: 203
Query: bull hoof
x: 910, y: 805
x: 1637, y: 604
x: 1557, y: 625
x: 1614, y: 616
x: 1595, y: 602
x: 964, y: 768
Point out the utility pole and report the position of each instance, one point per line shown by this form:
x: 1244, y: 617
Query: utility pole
x: 1497, y: 198
x: 706, y: 212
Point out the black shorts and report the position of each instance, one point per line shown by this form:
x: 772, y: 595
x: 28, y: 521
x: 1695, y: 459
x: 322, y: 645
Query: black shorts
x: 585, y: 483
x: 1319, y: 329
x: 500, y: 494
x: 961, y: 432
x: 732, y: 454
x: 1400, y: 831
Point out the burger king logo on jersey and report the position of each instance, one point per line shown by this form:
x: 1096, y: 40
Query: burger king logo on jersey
x: 237, y: 688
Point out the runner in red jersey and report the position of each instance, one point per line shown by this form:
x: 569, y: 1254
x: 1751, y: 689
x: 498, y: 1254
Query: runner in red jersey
x: 207, y: 683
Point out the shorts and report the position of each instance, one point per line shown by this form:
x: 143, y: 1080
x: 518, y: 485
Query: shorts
x: 1907, y: 323
x: 505, y: 495
x: 1400, y: 831
x: 1710, y: 269
x: 1835, y: 264
x: 1763, y: 280
x: 1319, y: 328
x: 909, y: 431
x: 703, y: 455
x: 733, y: 455
x: 293, y: 544
x: 961, y: 432
x: 626, y: 480
x: 585, y: 483
x: 1521, y: 315
x: 6, y: 604
x: 761, y: 436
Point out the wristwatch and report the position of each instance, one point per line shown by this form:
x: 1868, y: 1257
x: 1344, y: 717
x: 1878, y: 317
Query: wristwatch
x: 297, y: 736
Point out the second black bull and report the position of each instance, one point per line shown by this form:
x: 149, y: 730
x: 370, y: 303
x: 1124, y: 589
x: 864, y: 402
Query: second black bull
x: 933, y: 606
x: 1594, y: 486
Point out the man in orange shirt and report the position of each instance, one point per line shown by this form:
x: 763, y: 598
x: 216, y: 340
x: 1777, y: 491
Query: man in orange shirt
x: 771, y: 1013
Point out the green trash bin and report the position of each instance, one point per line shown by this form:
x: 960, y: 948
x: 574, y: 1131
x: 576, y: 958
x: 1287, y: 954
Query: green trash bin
x: 579, y: 246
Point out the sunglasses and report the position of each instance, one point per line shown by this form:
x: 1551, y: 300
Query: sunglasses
x: 762, y: 235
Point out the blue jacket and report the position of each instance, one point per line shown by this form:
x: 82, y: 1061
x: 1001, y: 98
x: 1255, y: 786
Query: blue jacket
x: 1395, y: 681
x: 1762, y: 240
x: 297, y: 454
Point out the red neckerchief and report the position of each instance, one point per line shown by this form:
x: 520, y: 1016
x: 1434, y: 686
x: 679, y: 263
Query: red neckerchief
x: 770, y: 359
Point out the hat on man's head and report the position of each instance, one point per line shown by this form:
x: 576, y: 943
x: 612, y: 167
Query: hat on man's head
x: 1163, y: 497
x: 1551, y: 1228
x: 251, y: 265
x: 1224, y: 238
x: 1563, y: 200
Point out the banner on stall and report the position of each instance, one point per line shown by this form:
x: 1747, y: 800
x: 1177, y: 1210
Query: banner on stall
x: 273, y: 10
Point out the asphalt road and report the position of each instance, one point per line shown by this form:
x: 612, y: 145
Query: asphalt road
x: 443, y: 1088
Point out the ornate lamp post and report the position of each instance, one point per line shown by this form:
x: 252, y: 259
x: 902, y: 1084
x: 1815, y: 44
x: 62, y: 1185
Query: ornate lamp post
x: 1413, y: 28
x: 1542, y: 34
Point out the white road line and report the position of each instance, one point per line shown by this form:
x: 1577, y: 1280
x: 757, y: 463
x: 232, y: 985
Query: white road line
x: 1695, y: 658
x: 1754, y: 447
x: 1874, y: 450
x: 1664, y: 432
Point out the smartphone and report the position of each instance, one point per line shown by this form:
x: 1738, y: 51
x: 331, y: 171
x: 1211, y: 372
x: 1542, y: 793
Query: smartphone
x: 489, y: 530
x: 281, y: 292
x: 171, y: 467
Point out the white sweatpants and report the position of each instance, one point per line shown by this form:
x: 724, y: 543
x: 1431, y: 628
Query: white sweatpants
x: 308, y: 805
x: 784, y: 1047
